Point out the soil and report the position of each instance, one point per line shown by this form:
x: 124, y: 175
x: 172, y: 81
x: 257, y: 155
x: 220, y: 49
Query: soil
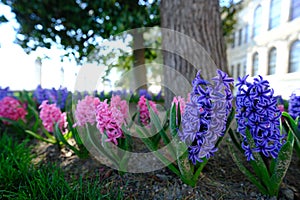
x: 220, y: 179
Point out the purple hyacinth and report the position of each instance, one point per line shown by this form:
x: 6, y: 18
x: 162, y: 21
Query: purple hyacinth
x: 204, y: 119
x: 294, y: 104
x: 145, y: 93
x: 257, y: 113
x: 5, y: 92
x: 53, y: 96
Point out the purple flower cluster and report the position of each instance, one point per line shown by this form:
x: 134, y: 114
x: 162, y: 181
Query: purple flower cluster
x: 257, y: 113
x: 294, y: 105
x: 5, y: 92
x: 145, y: 93
x: 204, y: 118
x: 58, y: 97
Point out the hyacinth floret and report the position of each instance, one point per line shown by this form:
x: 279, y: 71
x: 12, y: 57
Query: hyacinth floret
x: 111, y: 117
x: 50, y: 114
x: 85, y: 112
x: 12, y: 108
x: 294, y: 104
x: 4, y: 92
x: 204, y: 119
x: 143, y: 110
x: 181, y: 101
x: 257, y: 112
x: 53, y: 96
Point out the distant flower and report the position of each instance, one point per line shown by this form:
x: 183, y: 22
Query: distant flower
x: 158, y: 96
x: 5, y: 92
x: 294, y: 105
x: 143, y: 110
x: 204, y: 118
x: 120, y: 104
x: 50, y: 114
x: 58, y: 97
x: 257, y: 111
x: 86, y: 111
x: 181, y: 102
x: 145, y: 93
x: 12, y: 109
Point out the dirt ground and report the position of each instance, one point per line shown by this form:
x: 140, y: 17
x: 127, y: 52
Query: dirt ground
x: 220, y: 178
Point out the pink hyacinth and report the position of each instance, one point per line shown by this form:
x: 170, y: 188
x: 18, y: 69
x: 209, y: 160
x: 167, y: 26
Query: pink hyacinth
x: 86, y: 111
x: 143, y: 110
x: 280, y: 107
x: 50, y: 115
x: 120, y: 105
x: 109, y: 121
x: 12, y: 109
x: 182, y: 103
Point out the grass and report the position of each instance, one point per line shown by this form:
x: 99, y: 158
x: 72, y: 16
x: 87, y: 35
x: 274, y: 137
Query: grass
x: 20, y: 179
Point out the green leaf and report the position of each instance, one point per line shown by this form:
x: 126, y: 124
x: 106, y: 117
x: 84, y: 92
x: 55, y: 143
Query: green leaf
x: 62, y: 138
x: 156, y: 121
x: 282, y: 163
x: 152, y: 148
x: 258, y: 165
x: 49, y: 140
x: 99, y: 148
x: 245, y: 171
x: 173, y: 124
x: 292, y: 124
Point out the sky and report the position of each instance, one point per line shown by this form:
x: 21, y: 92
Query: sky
x: 18, y: 69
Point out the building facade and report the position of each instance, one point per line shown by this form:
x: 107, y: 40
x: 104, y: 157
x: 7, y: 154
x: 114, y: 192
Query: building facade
x: 266, y: 41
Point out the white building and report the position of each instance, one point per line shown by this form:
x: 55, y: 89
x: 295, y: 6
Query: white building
x: 266, y: 42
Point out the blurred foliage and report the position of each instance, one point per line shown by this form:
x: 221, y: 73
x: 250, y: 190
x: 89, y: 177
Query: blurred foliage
x: 76, y: 26
x: 3, y: 19
x: 229, y: 18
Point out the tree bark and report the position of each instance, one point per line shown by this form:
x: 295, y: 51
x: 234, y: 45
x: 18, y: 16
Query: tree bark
x: 139, y: 71
x: 200, y: 22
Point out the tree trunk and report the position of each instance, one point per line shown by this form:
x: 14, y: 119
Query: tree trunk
x: 139, y: 71
x: 199, y: 46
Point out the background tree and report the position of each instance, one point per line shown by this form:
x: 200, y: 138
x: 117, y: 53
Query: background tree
x: 201, y: 21
x: 75, y: 26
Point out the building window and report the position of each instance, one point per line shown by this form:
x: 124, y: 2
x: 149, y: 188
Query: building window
x: 244, y: 71
x: 232, y: 70
x: 240, y: 36
x: 294, y: 61
x: 246, y: 34
x: 238, y: 73
x: 257, y: 20
x: 272, y: 61
x: 275, y: 9
x: 295, y: 9
x: 232, y: 40
x: 255, y: 64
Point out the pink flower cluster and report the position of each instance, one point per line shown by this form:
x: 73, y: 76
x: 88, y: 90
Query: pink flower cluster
x: 143, y: 110
x: 182, y: 103
x: 12, y: 109
x: 86, y: 111
x: 110, y: 118
x: 50, y: 115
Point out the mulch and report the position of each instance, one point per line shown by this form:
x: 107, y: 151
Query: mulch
x: 220, y: 179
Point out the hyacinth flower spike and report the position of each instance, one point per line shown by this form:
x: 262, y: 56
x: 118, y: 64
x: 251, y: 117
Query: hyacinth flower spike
x: 197, y: 128
x: 291, y: 118
x: 103, y: 127
x: 259, y: 136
